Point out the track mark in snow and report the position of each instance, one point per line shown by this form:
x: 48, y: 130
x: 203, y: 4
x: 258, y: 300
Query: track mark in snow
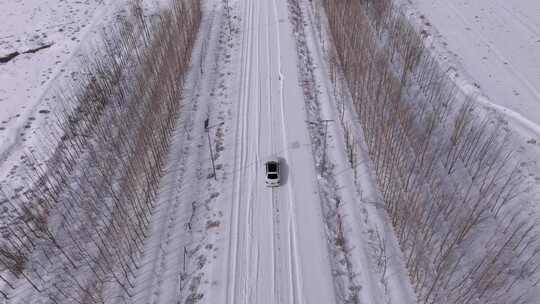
x: 294, y: 272
x: 276, y: 250
x: 240, y: 163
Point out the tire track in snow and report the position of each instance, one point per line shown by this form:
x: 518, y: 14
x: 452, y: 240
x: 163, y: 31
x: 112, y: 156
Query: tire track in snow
x: 240, y: 161
x: 276, y: 265
x: 250, y: 165
x: 294, y: 275
x: 276, y: 239
x: 254, y: 275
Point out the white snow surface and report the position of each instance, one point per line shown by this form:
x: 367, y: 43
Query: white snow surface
x: 29, y: 24
x: 495, y: 42
x: 26, y: 80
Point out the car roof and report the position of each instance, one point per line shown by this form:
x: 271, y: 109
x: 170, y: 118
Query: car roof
x: 272, y: 159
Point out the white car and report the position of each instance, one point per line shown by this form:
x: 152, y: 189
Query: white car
x: 271, y: 167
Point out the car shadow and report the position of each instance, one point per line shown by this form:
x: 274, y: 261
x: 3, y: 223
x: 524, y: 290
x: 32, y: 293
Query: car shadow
x: 284, y: 170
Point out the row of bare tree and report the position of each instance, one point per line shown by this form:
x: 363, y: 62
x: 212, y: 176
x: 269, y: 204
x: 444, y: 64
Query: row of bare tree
x: 81, y: 223
x: 445, y: 171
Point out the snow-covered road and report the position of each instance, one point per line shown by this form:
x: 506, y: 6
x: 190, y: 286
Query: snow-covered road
x: 277, y: 251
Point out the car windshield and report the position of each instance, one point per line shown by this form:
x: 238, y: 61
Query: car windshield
x: 272, y: 176
x: 271, y: 167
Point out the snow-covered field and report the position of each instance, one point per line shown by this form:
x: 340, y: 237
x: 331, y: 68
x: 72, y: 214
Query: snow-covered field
x: 494, y: 43
x: 28, y: 25
x: 491, y: 50
x: 29, y: 81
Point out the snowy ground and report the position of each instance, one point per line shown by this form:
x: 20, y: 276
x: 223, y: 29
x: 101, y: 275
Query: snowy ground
x: 27, y: 25
x: 496, y: 43
x: 491, y: 49
x: 27, y: 81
